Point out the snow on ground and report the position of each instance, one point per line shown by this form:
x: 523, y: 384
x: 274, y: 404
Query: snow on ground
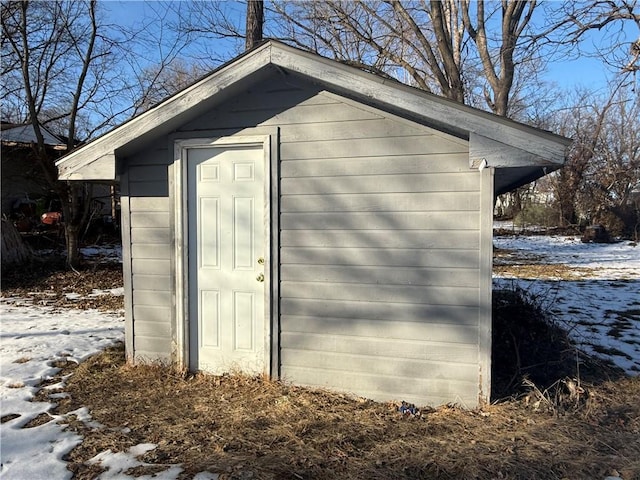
x: 33, y: 340
x: 599, y: 305
x: 104, y: 253
x: 601, y: 308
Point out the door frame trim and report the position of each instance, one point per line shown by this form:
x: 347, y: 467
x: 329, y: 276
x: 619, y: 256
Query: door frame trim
x: 180, y: 326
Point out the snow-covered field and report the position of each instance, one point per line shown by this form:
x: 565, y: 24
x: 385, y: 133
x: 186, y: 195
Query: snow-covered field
x: 599, y: 304
x: 601, y: 308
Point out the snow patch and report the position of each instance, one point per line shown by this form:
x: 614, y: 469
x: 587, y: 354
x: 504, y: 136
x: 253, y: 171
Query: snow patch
x: 117, y: 464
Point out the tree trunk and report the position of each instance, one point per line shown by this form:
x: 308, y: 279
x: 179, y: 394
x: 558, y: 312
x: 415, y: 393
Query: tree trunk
x: 14, y: 251
x: 255, y: 21
x: 72, y: 234
x: 76, y: 209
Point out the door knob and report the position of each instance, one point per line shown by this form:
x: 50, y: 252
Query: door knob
x: 261, y: 261
x: 260, y: 277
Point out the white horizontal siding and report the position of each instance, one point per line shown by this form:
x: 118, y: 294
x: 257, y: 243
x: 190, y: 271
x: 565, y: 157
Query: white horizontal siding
x: 151, y: 248
x: 150, y: 189
x: 306, y: 114
x: 434, y: 295
x: 153, y: 282
x: 384, y: 366
x: 276, y: 98
x: 446, y: 257
x: 434, y: 351
x: 157, y: 158
x: 428, y: 329
x: 152, y: 298
x: 425, y: 239
x: 372, y: 126
x: 263, y: 106
x: 391, y: 183
x: 350, y: 311
x: 380, y: 275
x: 401, y: 386
x: 376, y: 165
x: 151, y: 251
x: 150, y: 266
x: 142, y: 173
x: 151, y: 349
x: 381, y: 202
x: 152, y: 219
x: 379, y: 246
x: 153, y: 329
x: 442, y: 220
x: 150, y: 235
x: 154, y: 313
x: 150, y: 204
x: 367, y: 147
x: 379, y: 278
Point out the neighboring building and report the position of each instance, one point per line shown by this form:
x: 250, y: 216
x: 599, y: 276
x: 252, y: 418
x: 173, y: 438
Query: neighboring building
x: 292, y: 215
x: 26, y: 193
x: 22, y: 178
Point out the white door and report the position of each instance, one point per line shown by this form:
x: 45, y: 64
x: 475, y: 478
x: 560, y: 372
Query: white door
x: 226, y: 258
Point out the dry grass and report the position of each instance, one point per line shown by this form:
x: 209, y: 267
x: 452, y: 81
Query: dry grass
x: 518, y: 264
x: 551, y: 271
x: 528, y: 345
x: 248, y: 427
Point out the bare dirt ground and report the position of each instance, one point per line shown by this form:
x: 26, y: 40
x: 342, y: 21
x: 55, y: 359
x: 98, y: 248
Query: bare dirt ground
x: 548, y: 421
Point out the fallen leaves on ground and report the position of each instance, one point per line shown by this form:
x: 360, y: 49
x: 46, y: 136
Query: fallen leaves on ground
x: 52, y: 284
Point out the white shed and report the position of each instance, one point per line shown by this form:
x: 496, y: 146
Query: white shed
x: 291, y: 215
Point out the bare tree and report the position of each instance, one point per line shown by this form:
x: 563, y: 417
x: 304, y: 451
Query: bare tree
x: 584, y: 125
x: 220, y: 30
x: 396, y: 39
x: 617, y: 23
x: 468, y: 51
x: 160, y: 81
x: 440, y: 46
x: 613, y: 175
x: 65, y: 68
x: 602, y: 172
x: 255, y: 22
x: 499, y: 70
x: 50, y: 43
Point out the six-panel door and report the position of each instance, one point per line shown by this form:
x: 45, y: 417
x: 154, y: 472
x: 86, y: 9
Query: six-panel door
x: 226, y: 258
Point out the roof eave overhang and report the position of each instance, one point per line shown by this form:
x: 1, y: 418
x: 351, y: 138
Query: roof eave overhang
x: 501, y: 142
x: 415, y: 102
x: 97, y: 159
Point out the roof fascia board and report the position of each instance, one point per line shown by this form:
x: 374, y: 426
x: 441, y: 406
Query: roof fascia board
x: 153, y: 118
x: 329, y: 72
x: 500, y: 155
x: 102, y: 168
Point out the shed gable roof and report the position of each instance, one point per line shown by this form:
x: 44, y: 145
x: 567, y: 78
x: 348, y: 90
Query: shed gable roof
x: 503, y: 142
